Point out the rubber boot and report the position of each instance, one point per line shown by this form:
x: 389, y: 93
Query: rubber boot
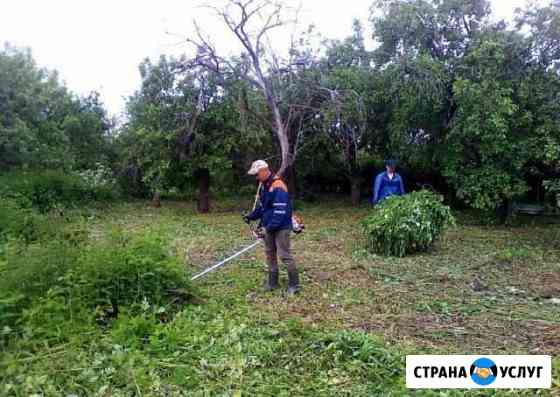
x: 293, y: 282
x: 272, y: 282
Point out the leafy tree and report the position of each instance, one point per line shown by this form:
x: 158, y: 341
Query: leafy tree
x: 543, y: 24
x: 346, y: 85
x: 416, y: 105
x: 539, y: 91
x: 469, y: 95
x: 422, y: 46
x: 29, y: 98
x: 181, y: 127
x: 88, y: 128
x: 485, y: 150
x: 442, y: 29
x: 344, y: 117
x: 42, y: 125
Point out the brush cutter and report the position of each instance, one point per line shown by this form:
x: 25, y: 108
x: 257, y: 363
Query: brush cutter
x: 257, y: 233
x: 223, y: 262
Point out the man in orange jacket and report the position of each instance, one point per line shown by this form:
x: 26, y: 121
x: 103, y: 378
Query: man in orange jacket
x: 274, y: 210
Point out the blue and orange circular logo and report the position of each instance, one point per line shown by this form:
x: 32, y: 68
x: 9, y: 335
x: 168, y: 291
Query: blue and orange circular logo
x: 483, y: 371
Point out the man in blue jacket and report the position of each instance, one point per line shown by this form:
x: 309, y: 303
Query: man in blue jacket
x: 388, y: 183
x: 274, y: 210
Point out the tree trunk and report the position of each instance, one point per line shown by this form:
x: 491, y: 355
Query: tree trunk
x: 203, y: 190
x: 156, y: 199
x: 281, y: 132
x: 355, y: 191
x: 291, y: 180
x: 504, y: 211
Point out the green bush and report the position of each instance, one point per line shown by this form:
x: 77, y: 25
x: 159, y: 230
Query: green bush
x: 135, y: 330
x: 127, y: 271
x: 12, y: 219
x: 36, y: 250
x: 120, y: 275
x: 47, y: 190
x: 406, y: 224
x: 29, y: 226
x: 29, y: 272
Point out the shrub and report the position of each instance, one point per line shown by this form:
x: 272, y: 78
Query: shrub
x: 52, y: 318
x: 36, y: 250
x: 49, y: 189
x: 99, y: 176
x: 12, y: 219
x: 406, y: 224
x: 134, y: 331
x: 28, y: 226
x: 29, y: 272
x: 121, y: 275
x: 125, y: 271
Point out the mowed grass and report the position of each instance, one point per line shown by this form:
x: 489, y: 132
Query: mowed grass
x: 482, y: 290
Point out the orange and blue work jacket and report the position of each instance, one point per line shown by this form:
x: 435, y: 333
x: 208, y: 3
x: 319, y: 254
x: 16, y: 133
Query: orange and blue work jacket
x: 274, y: 208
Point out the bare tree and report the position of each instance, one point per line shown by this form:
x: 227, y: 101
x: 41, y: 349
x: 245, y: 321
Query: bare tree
x: 251, y: 21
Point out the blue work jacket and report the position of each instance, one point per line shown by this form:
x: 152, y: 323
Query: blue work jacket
x: 274, y: 208
x: 384, y: 187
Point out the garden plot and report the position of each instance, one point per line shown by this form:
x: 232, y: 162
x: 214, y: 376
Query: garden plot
x: 481, y: 289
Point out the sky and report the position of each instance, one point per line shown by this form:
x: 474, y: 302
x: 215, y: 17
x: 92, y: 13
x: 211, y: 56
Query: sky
x: 98, y: 45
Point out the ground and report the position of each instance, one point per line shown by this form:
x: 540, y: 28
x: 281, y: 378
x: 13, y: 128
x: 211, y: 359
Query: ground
x: 484, y: 289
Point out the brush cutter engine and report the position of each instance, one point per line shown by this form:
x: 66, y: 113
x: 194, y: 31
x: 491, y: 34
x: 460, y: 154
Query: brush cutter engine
x: 297, y: 224
x: 297, y: 227
x: 257, y: 232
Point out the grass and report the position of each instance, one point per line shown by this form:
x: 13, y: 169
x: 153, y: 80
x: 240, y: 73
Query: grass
x: 483, y: 290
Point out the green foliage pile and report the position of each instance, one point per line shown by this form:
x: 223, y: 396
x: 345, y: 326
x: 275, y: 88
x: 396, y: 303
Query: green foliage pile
x: 48, y: 190
x: 406, y: 224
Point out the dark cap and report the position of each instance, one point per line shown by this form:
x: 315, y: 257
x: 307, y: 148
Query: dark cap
x: 390, y: 163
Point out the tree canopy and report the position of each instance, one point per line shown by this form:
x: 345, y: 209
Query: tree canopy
x: 466, y: 103
x: 42, y: 124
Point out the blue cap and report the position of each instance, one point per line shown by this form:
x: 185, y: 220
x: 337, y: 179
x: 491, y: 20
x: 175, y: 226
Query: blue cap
x: 390, y: 163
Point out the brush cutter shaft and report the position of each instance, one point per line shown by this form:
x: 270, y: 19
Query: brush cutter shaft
x: 223, y: 262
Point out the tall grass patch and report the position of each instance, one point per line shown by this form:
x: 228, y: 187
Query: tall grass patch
x: 63, y: 276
